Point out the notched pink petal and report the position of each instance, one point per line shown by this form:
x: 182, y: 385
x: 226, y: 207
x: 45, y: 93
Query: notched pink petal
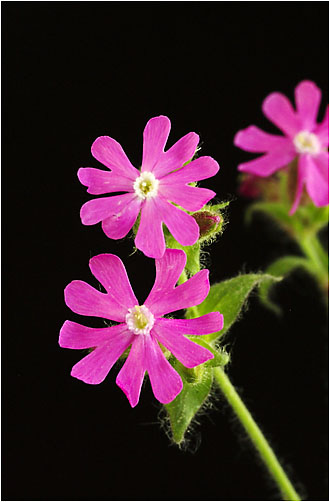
x: 317, y: 178
x: 308, y: 98
x: 82, y: 299
x: 77, y: 336
x: 188, y: 294
x: 118, y: 224
x: 322, y: 129
x: 189, y: 353
x: 150, y: 237
x: 199, y: 169
x: 97, y: 210
x: 253, y: 139
x: 279, y: 110
x: 303, y: 162
x: 111, y: 154
x: 130, y: 377
x: 182, y: 151
x: 100, y: 182
x: 168, y: 271
x: 94, y: 368
x: 204, y: 325
x: 110, y: 271
x: 188, y: 197
x: 155, y: 137
x: 182, y: 226
x: 165, y: 381
x: 269, y: 163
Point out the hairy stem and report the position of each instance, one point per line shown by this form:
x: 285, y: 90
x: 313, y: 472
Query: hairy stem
x: 314, y: 251
x: 258, y: 439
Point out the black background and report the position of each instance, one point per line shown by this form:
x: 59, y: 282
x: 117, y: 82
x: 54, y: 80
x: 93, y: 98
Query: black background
x: 73, y: 72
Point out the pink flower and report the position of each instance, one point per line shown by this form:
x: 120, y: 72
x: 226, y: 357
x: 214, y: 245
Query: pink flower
x: 162, y: 180
x: 304, y: 138
x: 141, y: 327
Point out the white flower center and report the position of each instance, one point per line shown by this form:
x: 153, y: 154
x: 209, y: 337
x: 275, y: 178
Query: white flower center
x: 306, y: 142
x: 140, y: 320
x: 146, y: 185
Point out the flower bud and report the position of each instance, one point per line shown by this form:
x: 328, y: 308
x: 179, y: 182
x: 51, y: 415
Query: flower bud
x: 209, y: 222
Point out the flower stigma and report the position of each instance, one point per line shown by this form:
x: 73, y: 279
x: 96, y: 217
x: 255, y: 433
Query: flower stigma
x: 146, y: 185
x: 307, y: 142
x: 140, y: 320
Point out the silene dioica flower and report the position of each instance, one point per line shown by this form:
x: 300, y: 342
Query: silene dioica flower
x: 304, y: 138
x: 163, y: 180
x: 141, y: 327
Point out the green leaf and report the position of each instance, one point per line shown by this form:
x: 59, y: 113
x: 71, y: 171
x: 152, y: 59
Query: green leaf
x: 280, y: 268
x: 217, y: 207
x: 197, y: 384
x: 228, y: 298
x: 280, y: 212
x: 313, y: 217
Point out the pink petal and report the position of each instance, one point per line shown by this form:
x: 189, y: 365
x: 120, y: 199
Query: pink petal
x: 109, y: 270
x: 154, y: 140
x: 97, y: 210
x: 188, y: 197
x: 119, y: 224
x: 317, y: 179
x: 279, y: 110
x: 190, y: 354
x: 253, y: 139
x: 110, y: 153
x: 182, y: 151
x: 188, y: 294
x: 204, y: 325
x: 94, y: 368
x: 303, y: 161
x: 76, y: 336
x: 308, y: 98
x: 168, y: 271
x: 130, y: 377
x: 82, y: 299
x: 322, y: 129
x: 165, y: 381
x: 269, y: 163
x: 197, y: 170
x: 99, y: 182
x: 150, y: 238
x: 182, y: 226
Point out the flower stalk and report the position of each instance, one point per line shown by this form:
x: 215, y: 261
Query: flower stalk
x: 256, y: 436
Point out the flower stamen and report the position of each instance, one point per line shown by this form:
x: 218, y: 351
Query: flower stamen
x: 146, y: 185
x: 140, y: 320
x: 307, y: 142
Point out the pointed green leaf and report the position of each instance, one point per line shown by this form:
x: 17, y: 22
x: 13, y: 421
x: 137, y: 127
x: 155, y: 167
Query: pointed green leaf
x: 280, y: 268
x: 228, y: 298
x: 278, y: 211
x: 197, y: 384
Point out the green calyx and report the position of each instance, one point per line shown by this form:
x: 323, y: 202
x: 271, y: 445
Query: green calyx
x: 210, y: 223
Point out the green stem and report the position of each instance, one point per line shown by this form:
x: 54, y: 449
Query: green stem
x: 258, y: 439
x: 313, y: 249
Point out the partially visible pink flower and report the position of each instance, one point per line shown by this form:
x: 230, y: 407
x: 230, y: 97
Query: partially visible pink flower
x: 162, y: 180
x: 304, y: 137
x: 141, y: 327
